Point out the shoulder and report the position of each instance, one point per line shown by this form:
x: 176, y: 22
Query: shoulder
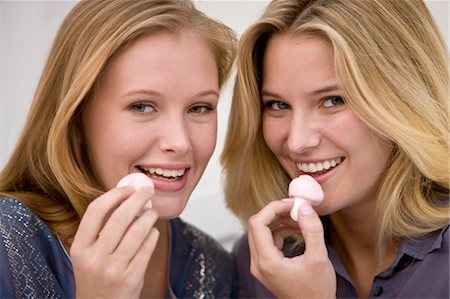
x: 241, y: 256
x: 16, y: 218
x: 421, y: 266
x: 10, y: 206
x: 30, y: 255
x: 241, y: 250
x: 247, y: 285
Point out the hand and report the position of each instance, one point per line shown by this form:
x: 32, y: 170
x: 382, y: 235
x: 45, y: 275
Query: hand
x: 310, y: 275
x: 113, y: 245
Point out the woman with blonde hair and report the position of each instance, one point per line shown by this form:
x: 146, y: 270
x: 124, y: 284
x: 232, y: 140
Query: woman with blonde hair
x: 129, y: 87
x: 354, y: 94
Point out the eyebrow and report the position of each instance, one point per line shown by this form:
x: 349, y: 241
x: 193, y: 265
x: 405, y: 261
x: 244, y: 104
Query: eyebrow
x: 326, y: 89
x: 270, y: 94
x: 155, y: 93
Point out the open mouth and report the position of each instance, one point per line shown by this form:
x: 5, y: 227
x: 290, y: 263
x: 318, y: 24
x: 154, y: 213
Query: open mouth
x: 163, y: 174
x: 319, y: 167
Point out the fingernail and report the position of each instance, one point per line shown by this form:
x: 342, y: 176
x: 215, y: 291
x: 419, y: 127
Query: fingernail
x: 306, y: 209
x: 148, y: 205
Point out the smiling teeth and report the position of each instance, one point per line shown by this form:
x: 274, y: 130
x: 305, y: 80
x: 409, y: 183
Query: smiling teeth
x: 169, y: 173
x: 319, y: 166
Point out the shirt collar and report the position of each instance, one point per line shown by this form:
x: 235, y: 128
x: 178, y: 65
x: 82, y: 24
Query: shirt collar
x: 420, y: 247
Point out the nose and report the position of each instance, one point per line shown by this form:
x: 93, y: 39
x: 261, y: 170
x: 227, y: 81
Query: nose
x: 174, y: 136
x: 304, y: 134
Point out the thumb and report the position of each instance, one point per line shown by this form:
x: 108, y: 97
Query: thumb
x: 312, y: 230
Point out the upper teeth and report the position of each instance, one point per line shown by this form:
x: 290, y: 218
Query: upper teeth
x: 165, y: 172
x: 319, y: 166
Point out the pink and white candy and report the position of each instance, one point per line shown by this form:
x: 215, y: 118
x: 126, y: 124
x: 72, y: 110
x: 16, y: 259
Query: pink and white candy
x: 304, y: 190
x: 138, y: 180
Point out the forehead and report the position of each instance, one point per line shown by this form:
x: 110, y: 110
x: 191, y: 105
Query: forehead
x: 305, y: 61
x: 165, y: 45
x: 167, y: 61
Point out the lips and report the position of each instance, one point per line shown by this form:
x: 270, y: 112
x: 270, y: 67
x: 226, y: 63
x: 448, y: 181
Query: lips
x: 167, y: 179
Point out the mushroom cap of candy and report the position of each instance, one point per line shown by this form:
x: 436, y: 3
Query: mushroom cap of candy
x: 307, y: 188
x: 137, y: 180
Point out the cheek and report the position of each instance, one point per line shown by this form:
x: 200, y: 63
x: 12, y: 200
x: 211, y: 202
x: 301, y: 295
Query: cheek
x: 367, y: 149
x: 116, y: 140
x: 274, y: 134
x: 204, y: 142
x: 112, y: 148
x: 346, y: 131
x: 380, y: 152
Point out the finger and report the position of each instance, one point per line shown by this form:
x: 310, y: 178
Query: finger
x: 139, y: 263
x: 135, y: 236
x: 312, y: 230
x: 96, y: 214
x: 261, y: 233
x: 116, y: 226
x: 276, y: 211
x: 253, y: 255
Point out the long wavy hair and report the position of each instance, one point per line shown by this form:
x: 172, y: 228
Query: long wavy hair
x: 48, y: 170
x: 393, y: 70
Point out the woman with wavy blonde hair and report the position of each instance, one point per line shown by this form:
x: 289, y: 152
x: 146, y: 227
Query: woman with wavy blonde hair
x: 117, y: 96
x: 354, y: 94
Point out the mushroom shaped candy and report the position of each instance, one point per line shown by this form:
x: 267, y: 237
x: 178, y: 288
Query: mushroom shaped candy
x: 138, y: 180
x: 304, y: 189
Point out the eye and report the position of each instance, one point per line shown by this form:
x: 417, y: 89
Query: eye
x: 200, y: 109
x: 333, y: 101
x: 276, y: 105
x: 142, y: 108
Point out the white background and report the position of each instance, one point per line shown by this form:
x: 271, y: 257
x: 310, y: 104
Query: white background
x: 27, y: 29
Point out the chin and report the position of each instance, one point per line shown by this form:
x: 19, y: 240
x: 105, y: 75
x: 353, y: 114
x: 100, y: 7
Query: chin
x: 167, y: 212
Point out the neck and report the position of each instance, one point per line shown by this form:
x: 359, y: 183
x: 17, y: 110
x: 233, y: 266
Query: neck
x: 354, y: 236
x: 354, y: 230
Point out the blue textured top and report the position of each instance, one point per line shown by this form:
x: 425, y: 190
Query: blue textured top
x: 420, y: 270
x: 34, y: 264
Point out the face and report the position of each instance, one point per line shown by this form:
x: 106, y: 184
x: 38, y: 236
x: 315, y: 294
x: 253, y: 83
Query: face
x: 310, y: 128
x: 154, y: 111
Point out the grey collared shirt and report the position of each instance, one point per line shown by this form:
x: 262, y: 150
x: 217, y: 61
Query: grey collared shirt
x: 420, y: 270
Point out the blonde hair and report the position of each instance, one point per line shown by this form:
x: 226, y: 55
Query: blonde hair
x: 393, y: 70
x: 49, y: 170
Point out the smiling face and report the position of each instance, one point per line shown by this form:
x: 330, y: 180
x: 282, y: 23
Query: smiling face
x: 154, y: 111
x: 310, y: 128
